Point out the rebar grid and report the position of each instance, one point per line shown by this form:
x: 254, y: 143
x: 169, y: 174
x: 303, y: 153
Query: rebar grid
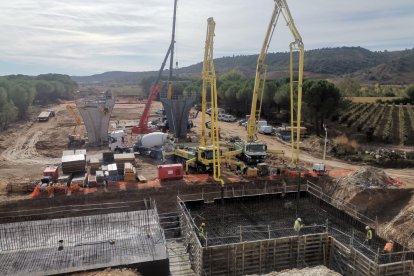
x: 81, y: 243
x: 272, y: 216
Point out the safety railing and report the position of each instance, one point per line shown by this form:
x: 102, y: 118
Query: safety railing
x: 340, y: 204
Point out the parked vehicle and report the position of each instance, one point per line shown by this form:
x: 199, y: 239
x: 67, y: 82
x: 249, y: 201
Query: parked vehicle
x: 219, y: 111
x: 221, y: 117
x: 229, y: 118
x: 241, y: 121
x: 265, y: 130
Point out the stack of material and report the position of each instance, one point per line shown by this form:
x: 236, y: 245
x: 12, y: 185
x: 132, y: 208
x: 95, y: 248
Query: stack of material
x: 73, y: 164
x: 79, y: 179
x: 99, y: 177
x: 112, y: 170
x: 68, y: 152
x: 129, y: 173
x: 92, y: 181
x: 108, y: 158
x: 94, y: 164
x: 65, y: 179
x: 121, y: 159
x: 20, y: 185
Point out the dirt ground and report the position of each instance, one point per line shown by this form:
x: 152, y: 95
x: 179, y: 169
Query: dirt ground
x: 27, y: 148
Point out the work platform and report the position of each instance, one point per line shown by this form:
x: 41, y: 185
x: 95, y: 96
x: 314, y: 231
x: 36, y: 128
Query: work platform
x: 49, y: 247
x: 251, y: 232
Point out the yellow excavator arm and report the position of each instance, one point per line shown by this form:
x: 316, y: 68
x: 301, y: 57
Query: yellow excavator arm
x: 72, y: 110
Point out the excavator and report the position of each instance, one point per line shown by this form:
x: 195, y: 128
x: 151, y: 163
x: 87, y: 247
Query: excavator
x: 74, y: 138
x: 207, y: 155
x: 255, y: 151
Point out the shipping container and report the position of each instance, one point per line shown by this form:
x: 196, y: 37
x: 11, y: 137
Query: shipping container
x: 171, y: 171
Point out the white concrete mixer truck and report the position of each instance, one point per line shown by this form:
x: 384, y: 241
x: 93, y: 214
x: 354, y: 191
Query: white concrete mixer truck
x: 154, y: 144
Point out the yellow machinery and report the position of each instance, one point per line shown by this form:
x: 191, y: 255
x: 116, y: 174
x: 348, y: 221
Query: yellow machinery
x: 209, y: 153
x: 74, y: 137
x: 296, y: 45
x: 206, y: 157
x: 209, y: 80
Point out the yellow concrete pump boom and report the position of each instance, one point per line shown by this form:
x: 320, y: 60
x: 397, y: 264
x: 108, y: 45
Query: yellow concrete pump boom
x: 281, y: 7
x: 209, y: 83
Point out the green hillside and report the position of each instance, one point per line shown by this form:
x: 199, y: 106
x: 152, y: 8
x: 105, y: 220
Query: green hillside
x: 388, y: 67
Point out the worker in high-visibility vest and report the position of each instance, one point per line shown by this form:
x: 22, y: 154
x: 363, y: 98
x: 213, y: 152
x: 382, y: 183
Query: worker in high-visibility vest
x: 298, y: 225
x: 201, y: 233
x: 368, y: 238
x: 202, y: 228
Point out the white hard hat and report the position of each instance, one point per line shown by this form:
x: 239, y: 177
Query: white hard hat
x: 367, y: 227
x: 299, y: 219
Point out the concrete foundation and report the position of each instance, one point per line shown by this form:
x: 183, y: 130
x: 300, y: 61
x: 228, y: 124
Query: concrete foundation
x: 254, y: 235
x: 49, y: 247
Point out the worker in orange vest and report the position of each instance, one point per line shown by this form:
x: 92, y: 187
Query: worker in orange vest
x: 389, y: 246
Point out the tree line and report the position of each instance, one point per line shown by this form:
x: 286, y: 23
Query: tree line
x: 19, y: 92
x: 322, y: 100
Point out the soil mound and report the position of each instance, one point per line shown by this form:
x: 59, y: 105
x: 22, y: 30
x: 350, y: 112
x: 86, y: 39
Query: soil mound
x: 369, y: 177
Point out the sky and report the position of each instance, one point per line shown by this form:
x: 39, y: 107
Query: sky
x: 84, y: 37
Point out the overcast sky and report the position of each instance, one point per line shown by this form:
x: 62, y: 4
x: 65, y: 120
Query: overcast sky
x: 82, y: 37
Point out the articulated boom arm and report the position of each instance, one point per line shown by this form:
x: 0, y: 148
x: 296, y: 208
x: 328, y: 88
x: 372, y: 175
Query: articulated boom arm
x: 281, y: 7
x: 294, y: 46
x: 209, y: 81
x: 261, y: 69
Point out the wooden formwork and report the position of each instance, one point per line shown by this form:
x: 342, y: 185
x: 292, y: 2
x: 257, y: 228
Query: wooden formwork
x: 265, y: 255
x: 349, y: 261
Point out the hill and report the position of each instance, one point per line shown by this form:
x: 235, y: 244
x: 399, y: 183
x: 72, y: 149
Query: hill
x: 387, y: 67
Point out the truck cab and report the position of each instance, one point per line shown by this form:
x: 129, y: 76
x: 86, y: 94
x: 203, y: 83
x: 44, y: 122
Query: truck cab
x: 252, y: 153
x: 118, y: 141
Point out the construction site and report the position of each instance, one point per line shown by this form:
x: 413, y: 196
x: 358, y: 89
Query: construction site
x: 161, y: 186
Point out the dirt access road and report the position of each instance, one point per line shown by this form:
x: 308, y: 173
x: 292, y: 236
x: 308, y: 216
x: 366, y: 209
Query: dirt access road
x: 307, y: 156
x: 26, y: 148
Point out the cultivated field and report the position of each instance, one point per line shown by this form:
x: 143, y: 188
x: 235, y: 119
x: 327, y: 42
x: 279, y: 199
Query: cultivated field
x: 393, y: 124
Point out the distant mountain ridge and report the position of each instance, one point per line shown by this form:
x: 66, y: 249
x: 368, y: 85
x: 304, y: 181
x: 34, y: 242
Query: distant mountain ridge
x: 387, y: 67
